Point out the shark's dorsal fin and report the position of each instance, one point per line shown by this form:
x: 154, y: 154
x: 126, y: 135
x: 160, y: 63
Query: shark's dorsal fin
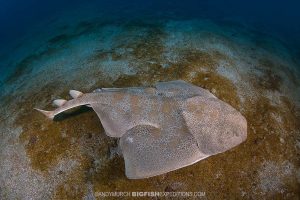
x: 75, y: 94
x: 59, y: 102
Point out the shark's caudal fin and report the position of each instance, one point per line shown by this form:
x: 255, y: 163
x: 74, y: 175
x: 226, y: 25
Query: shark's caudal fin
x: 48, y: 114
x: 62, y: 105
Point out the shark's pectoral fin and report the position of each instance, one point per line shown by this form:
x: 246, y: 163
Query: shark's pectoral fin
x: 149, y: 152
x: 216, y: 125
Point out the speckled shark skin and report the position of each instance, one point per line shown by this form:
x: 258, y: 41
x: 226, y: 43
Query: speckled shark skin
x: 162, y: 128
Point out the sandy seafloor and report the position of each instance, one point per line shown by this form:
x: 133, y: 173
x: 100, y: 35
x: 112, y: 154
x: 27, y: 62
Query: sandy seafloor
x: 74, y: 159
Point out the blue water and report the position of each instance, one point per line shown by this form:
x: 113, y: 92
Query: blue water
x: 19, y: 19
x: 277, y: 18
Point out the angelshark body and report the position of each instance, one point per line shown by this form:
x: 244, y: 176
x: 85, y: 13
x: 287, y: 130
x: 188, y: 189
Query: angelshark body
x: 162, y: 128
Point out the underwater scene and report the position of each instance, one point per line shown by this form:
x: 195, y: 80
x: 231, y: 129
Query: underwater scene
x: 236, y: 62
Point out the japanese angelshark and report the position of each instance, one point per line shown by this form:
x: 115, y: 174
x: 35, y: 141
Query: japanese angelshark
x: 162, y: 128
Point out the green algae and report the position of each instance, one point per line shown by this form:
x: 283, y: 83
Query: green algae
x: 219, y: 86
x: 270, y: 81
x: 127, y: 81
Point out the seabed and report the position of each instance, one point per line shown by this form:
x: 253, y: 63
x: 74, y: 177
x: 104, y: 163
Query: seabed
x: 74, y: 159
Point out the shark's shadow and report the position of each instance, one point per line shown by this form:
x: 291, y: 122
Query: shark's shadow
x: 72, y: 113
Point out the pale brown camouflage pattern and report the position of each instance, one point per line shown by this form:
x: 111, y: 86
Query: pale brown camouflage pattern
x: 163, y: 128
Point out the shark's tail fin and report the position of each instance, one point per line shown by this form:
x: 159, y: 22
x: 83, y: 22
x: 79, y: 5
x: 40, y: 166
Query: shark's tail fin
x: 48, y: 114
